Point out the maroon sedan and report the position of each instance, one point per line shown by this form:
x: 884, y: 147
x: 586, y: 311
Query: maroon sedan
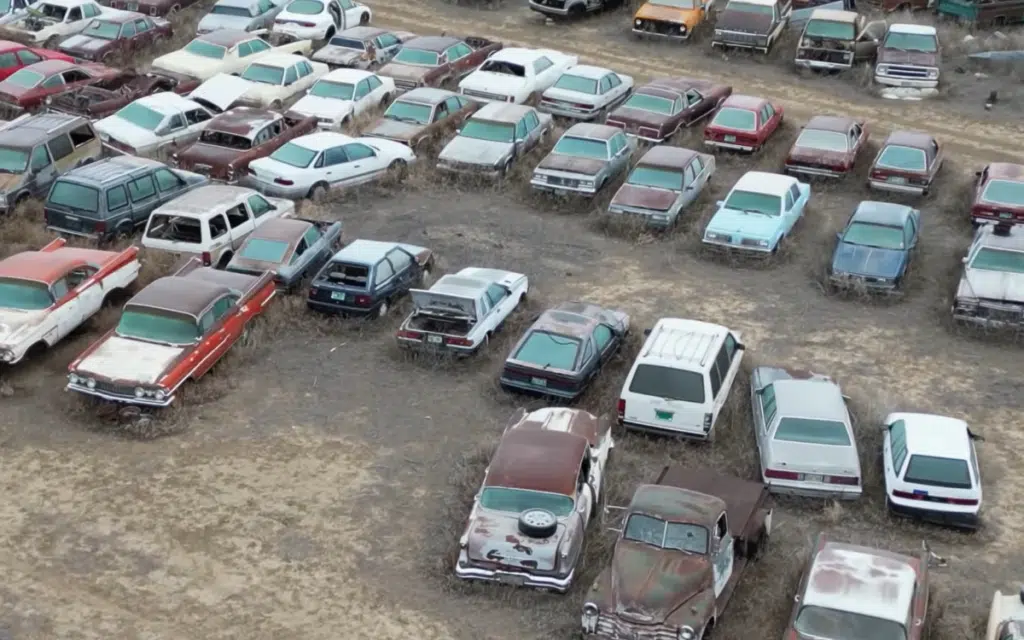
x: 15, y: 56
x: 999, y: 194
x: 28, y: 88
x: 827, y: 147
x: 116, y: 33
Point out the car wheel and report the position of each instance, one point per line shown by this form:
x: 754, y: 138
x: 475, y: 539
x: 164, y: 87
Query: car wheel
x: 318, y: 193
x: 385, y: 101
x: 276, y: 105
x: 364, y: 19
x: 382, y: 310
x: 505, y: 168
x: 397, y: 170
x: 52, y: 42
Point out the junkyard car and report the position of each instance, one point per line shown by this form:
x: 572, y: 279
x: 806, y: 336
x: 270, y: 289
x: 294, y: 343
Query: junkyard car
x: 437, y: 61
x: 584, y: 160
x: 539, y: 494
x: 874, y: 250
x: 256, y: 16
x: 991, y: 289
x: 907, y: 163
x: 173, y: 331
x: 366, y: 48
x: 979, y: 13
x: 116, y: 33
x: 96, y: 102
x: 999, y: 194
x: 586, y: 93
x: 1006, y: 617
x: 758, y: 214
x: 804, y: 434
x: 516, y: 75
x: 458, y: 314
x: 660, y: 108
x: 853, y: 591
x: 834, y: 40
x: 422, y: 116
x: 909, y: 56
x: 493, y: 139
x: 223, y: 51
x: 827, y: 147
x: 368, y: 276
x: 343, y: 94
x: 311, y: 165
x: 743, y: 123
x: 683, y: 546
x: 14, y: 10
x: 751, y: 24
x: 233, y: 139
x: 27, y: 89
x: 47, y: 294
x: 50, y: 21
x: 292, y: 248
x: 564, y: 350
x: 15, y: 56
x: 663, y: 185
x: 160, y: 8
x: 674, y: 19
x: 275, y: 80
x: 318, y: 20
x: 153, y: 123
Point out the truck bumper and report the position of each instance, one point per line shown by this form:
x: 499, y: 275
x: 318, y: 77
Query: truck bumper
x: 660, y: 430
x: 906, y: 82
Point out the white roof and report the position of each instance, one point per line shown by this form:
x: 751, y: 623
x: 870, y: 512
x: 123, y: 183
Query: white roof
x: 518, y: 55
x: 862, y: 581
x: 933, y: 435
x: 587, y: 71
x: 774, y: 184
x: 351, y: 76
x: 501, y: 111
x: 69, y: 3
x: 167, y: 102
x: 915, y: 29
x: 322, y: 140
x: 683, y: 343
x: 278, y: 59
x: 763, y: 3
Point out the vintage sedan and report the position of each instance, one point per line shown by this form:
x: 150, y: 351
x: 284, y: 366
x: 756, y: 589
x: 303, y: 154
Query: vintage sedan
x: 516, y: 75
x: 1006, y: 616
x: 586, y: 93
x: 255, y: 16
x: 907, y: 163
x: 275, y: 80
x: 233, y: 139
x: 225, y: 51
x: 28, y: 88
x: 804, y: 434
x: 162, y: 8
x: 991, y: 290
x: 294, y: 249
x: 363, y: 47
x: 15, y: 56
x: 368, y: 276
x: 827, y: 146
x: 564, y: 350
x: 743, y: 123
x: 658, y: 109
x: 318, y: 20
x: 585, y: 159
x: 999, y: 194
x: 343, y: 94
x: 48, y: 22
x: 493, y: 139
x: 47, y: 294
x: 437, y: 61
x: 173, y: 331
x: 154, y: 123
x: 665, y: 182
x: 874, y: 250
x: 13, y: 10
x: 539, y: 495
x: 97, y: 103
x: 116, y: 33
x: 758, y: 214
x: 422, y: 116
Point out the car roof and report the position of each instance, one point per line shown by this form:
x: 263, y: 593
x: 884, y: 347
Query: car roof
x: 49, y: 266
x: 672, y: 87
x: 1006, y: 171
x: 182, y: 294
x: 683, y: 344
x: 278, y: 59
x: 361, y: 32
x: 934, y: 435
x: 426, y: 95
x: 118, y: 16
x: 915, y: 139
x: 243, y: 121
x: 575, y: 319
x: 226, y: 37
x: 46, y: 67
x: 501, y: 112
x: 915, y: 29
x: 366, y: 252
x: 111, y: 169
x: 10, y: 45
x: 587, y: 71
x: 537, y: 460
x: 167, y: 102
x: 346, y: 75
x: 577, y: 421
x: 235, y: 3
x: 66, y: 3
x: 675, y: 504
x: 35, y: 129
x: 518, y: 54
x: 830, y: 123
x: 740, y: 101
x: 1011, y: 239
x: 834, y: 15
x: 431, y: 43
x: 205, y: 201
x: 591, y: 130
x: 812, y: 398
x: 281, y: 229
x: 763, y: 3
x: 774, y: 184
x: 321, y: 140
x: 870, y: 582
x: 664, y: 155
x: 883, y: 213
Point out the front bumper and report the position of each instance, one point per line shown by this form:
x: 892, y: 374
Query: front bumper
x: 959, y: 519
x: 923, y: 83
x: 986, y: 322
x: 517, y: 386
x: 729, y: 249
x: 644, y: 33
x: 654, y: 220
x: 870, y: 284
x: 801, y: 490
x: 115, y: 397
x: 823, y: 65
x: 274, y: 190
x: 563, y: 189
x: 725, y: 43
x: 884, y: 185
x: 467, y: 170
x: 465, y: 571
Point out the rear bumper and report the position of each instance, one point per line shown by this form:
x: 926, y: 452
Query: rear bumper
x: 479, y: 171
x: 566, y: 112
x: 660, y: 430
x: 421, y: 346
x: 77, y: 234
x: 715, y: 144
x: 524, y: 387
x: 960, y: 520
x: 466, y: 571
x: 785, y: 488
x: 851, y: 281
x: 549, y: 11
x: 813, y: 171
x: 336, y: 309
x: 883, y: 185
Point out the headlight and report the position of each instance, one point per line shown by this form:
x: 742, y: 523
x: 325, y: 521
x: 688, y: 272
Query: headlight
x: 73, y: 379
x: 685, y: 633
x: 3, y: 198
x: 966, y: 303
x: 659, y: 217
x: 639, y: 23
x: 590, y: 616
x: 140, y: 392
x: 718, y: 33
x: 762, y: 243
x: 586, y: 183
x: 540, y: 177
x: 712, y: 236
x: 160, y: 394
x: 91, y: 383
x: 933, y: 73
x: 882, y: 69
x: 682, y: 29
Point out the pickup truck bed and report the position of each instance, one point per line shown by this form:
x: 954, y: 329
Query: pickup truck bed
x: 743, y: 498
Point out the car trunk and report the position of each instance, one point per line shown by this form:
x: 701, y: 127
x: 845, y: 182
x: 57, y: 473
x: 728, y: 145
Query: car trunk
x: 556, y: 380
x: 342, y: 284
x: 434, y: 328
x: 828, y: 466
x: 78, y: 221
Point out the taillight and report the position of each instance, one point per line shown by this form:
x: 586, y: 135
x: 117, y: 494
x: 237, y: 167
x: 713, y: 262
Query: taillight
x: 708, y: 417
x: 965, y: 502
x: 286, y: 183
x: 847, y: 480
x: 101, y: 226
x: 363, y: 301
x: 622, y: 408
x: 781, y: 475
x: 411, y: 335
x: 207, y: 258
x: 458, y: 342
x: 313, y: 291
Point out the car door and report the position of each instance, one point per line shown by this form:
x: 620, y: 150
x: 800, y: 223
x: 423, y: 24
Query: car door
x: 240, y: 224
x: 533, y: 129
x: 799, y: 202
x: 910, y: 238
x: 622, y: 153
x: 169, y: 185
x: 376, y: 95
x: 545, y: 74
x: 722, y: 554
x: 62, y: 152
x: 218, y: 333
x: 336, y: 15
x: 144, y: 198
x: 789, y: 215
x: 42, y: 173
x: 857, y: 135
x: 125, y: 42
x: 90, y: 292
x: 723, y: 373
x: 144, y: 30
x: 935, y: 154
x: 605, y: 343
x: 363, y: 163
x: 691, y: 185
x: 867, y: 41
x: 333, y: 168
x: 301, y: 258
x: 361, y: 96
x: 765, y: 410
x: 68, y: 314
x: 460, y: 58
x: 383, y: 281
x: 350, y: 11
x: 387, y: 46
x: 406, y: 277
x: 175, y: 132
x: 196, y: 120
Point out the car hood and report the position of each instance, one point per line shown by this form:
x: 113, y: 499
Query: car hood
x: 222, y: 90
x: 994, y: 285
x: 748, y: 225
x: 125, y: 132
x: 203, y: 153
x: 897, y: 56
x: 9, y: 181
x: 217, y: 22
x: 495, y: 537
x: 395, y: 130
x: 572, y: 164
x: 134, y: 361
x: 639, y: 116
x: 323, y: 107
x: 84, y: 44
x: 667, y: 14
x: 743, y: 21
x: 15, y: 322
x: 867, y: 261
x: 808, y: 154
x: 407, y: 72
x: 645, y: 197
x: 341, y: 56
x: 648, y: 584
x: 473, y: 151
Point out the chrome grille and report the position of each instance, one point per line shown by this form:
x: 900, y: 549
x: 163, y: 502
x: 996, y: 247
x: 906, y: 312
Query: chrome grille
x: 115, y: 389
x: 907, y: 72
x: 618, y: 630
x: 747, y: 242
x: 742, y: 38
x: 563, y: 182
x: 405, y: 85
x: 1002, y: 312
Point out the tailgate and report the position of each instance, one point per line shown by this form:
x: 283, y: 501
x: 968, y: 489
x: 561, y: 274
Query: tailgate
x: 72, y: 221
x: 663, y: 413
x: 742, y: 497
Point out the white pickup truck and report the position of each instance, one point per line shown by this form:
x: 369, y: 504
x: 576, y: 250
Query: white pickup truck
x: 516, y: 75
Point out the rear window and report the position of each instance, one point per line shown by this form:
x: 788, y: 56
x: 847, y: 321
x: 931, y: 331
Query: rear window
x: 75, y: 196
x: 823, y: 140
x: 264, y: 250
x: 223, y: 139
x: 349, y: 275
x: 732, y: 118
x: 204, y: 49
x: 808, y: 431
x: 1004, y: 192
x: 543, y: 349
x: 903, y: 158
x: 577, y: 83
x: 347, y: 43
x: 668, y: 383
x: 649, y: 103
x: 830, y: 30
x: 938, y: 472
x: 175, y: 228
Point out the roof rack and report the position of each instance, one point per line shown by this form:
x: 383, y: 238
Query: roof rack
x: 683, y: 341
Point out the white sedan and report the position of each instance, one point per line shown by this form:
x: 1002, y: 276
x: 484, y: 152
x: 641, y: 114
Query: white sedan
x: 585, y: 93
x: 152, y: 123
x: 343, y: 94
x: 310, y: 165
x: 516, y: 75
x: 277, y: 79
x: 223, y: 51
x: 318, y: 19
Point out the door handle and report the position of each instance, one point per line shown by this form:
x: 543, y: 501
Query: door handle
x: 356, y: 166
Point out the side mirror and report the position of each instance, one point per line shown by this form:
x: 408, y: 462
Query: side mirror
x: 839, y: 235
x: 720, y: 203
x: 647, y: 332
x: 520, y: 140
x: 963, y: 259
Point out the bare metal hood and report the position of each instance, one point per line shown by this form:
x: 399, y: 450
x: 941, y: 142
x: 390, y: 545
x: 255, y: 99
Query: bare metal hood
x: 15, y: 322
x: 993, y: 285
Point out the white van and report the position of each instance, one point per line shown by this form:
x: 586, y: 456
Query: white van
x: 681, y: 379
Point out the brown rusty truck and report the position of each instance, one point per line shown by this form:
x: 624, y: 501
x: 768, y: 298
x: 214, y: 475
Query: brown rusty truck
x: 682, y: 548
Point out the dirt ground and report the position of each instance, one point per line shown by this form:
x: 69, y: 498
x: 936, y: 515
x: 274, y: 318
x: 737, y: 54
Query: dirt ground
x: 315, y: 483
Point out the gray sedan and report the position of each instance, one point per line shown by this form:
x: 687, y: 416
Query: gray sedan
x: 493, y: 138
x: 293, y: 248
x: 255, y: 16
x: 585, y: 160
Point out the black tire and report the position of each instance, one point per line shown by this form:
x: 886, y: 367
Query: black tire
x: 505, y: 168
x: 577, y: 11
x: 397, y: 170
x: 276, y: 105
x: 318, y: 192
x: 385, y: 101
x: 755, y: 548
x: 330, y: 34
x: 224, y: 260
x: 538, y: 523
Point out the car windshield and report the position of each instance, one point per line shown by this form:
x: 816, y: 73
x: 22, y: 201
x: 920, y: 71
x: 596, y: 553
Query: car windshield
x: 668, y: 383
x: 657, y: 177
x: 879, y: 236
x: 1004, y: 192
x: 416, y: 57
x: 334, y: 90
x: 5, y: 6
x: 823, y: 140
x: 653, y: 104
x: 205, y: 49
x: 911, y: 42
x: 347, y: 43
x: 102, y: 30
x: 141, y: 116
x: 819, y: 622
x: 678, y: 4
x: 305, y: 7
x: 294, y: 154
x: 520, y: 500
x: 74, y: 196
x: 546, y: 350
x: 809, y: 431
x: 25, y: 78
x: 221, y: 10
x: 830, y: 30
x: 487, y: 130
x: 933, y: 471
x: 753, y: 202
x: 578, y: 84
x: 263, y: 73
x: 413, y: 112
x: 582, y: 147
x: 990, y: 259
x: 902, y: 159
x: 24, y: 295
x: 157, y: 325
x: 732, y: 118
x: 13, y: 160
x: 690, y: 538
x: 264, y: 250
x: 749, y: 7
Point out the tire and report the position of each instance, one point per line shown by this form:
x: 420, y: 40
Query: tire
x: 505, y: 168
x: 382, y: 310
x: 755, y: 548
x: 318, y: 192
x: 52, y: 42
x: 276, y: 105
x: 385, y: 101
x: 330, y: 33
x: 398, y: 169
x: 576, y: 12
x: 364, y: 19
x: 224, y: 260
x: 538, y: 523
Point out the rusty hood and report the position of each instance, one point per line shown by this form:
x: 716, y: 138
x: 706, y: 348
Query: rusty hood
x: 202, y: 153
x: 396, y: 130
x: 899, y: 56
x: 11, y: 181
x: 495, y: 537
x: 572, y: 164
x: 630, y: 195
x: 406, y: 72
x: 649, y: 584
x: 744, y: 21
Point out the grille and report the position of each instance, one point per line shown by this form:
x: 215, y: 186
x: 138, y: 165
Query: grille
x: 747, y: 242
x: 1002, y: 313
x: 741, y: 38
x: 721, y: 238
x: 554, y: 4
x: 115, y: 389
x: 907, y: 72
x: 615, y: 628
x: 662, y: 28
x: 563, y: 182
x: 486, y: 96
x: 204, y: 169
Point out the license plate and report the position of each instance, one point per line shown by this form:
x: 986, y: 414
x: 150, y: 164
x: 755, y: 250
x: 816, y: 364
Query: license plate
x: 539, y: 382
x: 663, y: 415
x: 730, y: 138
x: 338, y: 295
x: 810, y: 477
x: 918, y: 492
x: 506, y: 578
x: 895, y: 180
x: 434, y: 339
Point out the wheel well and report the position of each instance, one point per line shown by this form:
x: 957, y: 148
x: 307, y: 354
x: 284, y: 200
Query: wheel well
x: 225, y: 258
x: 37, y: 348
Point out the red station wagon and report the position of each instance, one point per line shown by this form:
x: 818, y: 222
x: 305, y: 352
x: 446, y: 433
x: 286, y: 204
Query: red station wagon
x: 743, y: 123
x: 999, y: 194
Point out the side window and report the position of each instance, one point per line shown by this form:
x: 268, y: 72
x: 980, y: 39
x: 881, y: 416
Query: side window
x: 81, y: 274
x: 898, y: 445
x: 59, y: 289
x: 90, y: 10
x: 74, y: 15
x: 615, y: 145
x: 346, y: 4
x: 53, y: 81
x: 128, y: 30
x: 387, y: 40
x: 677, y: 105
x: 362, y: 89
x: 373, y: 80
x: 716, y: 381
x: 195, y: 116
x: 721, y: 527
x: 613, y: 80
x: 440, y: 112
x: 698, y: 167
x: 588, y: 352
x: 28, y: 57
x: 794, y: 192
x: 223, y: 306
x: 218, y: 226
x: 335, y: 156
x: 167, y: 181
x: 400, y: 260
x: 496, y: 293
x: 237, y: 216
x: 175, y: 123
x: 689, y: 176
x: 82, y: 135
x: 263, y: 7
x: 291, y: 75
x: 540, y: 65
x: 40, y: 158
x: 300, y: 249
x: 312, y: 236
x: 384, y: 272
x: 305, y: 69
x: 768, y: 407
x: 60, y: 147
x: 521, y: 129
x: 141, y: 188
x: 452, y: 104
x: 244, y: 49
x: 730, y: 346
x: 769, y: 111
x: 763, y: 115
x: 789, y: 201
x: 722, y: 362
x: 532, y: 121
x: 602, y: 336
x: 258, y: 45
x: 358, y: 151
x: 692, y: 97
x: 606, y: 84
x: 259, y: 205
x: 117, y: 198
x: 621, y: 139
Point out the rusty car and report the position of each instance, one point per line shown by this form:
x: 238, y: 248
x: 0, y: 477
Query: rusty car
x: 117, y: 33
x: 743, y: 123
x: 15, y: 56
x: 363, y: 47
x: 1006, y: 616
x: 437, y: 61
x: 539, y: 495
x: 751, y: 24
x: 683, y: 545
x: 662, y: 185
x: 990, y: 293
x: 96, y: 102
x: 999, y: 194
x: 422, y: 117
x: 28, y: 88
x: 981, y: 13
x: 908, y: 163
x: 671, y: 19
x: 586, y: 159
x: 294, y: 249
x: 909, y: 56
x: 493, y: 139
x: 237, y: 137
x: 833, y: 40
x: 162, y: 8
x: 660, y: 108
x: 827, y: 147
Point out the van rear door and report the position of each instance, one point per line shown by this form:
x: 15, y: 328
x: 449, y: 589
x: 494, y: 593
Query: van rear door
x: 667, y: 399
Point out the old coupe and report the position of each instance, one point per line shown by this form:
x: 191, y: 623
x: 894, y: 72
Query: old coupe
x: 660, y: 108
x: 827, y: 146
x: 908, y: 162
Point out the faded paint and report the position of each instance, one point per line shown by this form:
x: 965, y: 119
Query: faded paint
x: 575, y: 421
x: 670, y: 89
x: 572, y: 164
x: 495, y: 538
x: 674, y: 504
x: 649, y: 584
x: 579, y: 319
x: 862, y: 581
x: 132, y: 360
x: 537, y: 460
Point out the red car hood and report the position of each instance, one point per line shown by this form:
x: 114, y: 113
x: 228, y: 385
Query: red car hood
x: 645, y: 197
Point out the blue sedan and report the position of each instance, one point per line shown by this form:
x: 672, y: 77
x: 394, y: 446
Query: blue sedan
x: 874, y: 250
x: 759, y: 212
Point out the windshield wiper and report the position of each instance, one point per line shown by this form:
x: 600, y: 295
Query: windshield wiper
x: 764, y: 213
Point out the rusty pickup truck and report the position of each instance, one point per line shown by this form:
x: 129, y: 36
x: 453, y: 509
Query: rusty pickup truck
x: 683, y: 545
